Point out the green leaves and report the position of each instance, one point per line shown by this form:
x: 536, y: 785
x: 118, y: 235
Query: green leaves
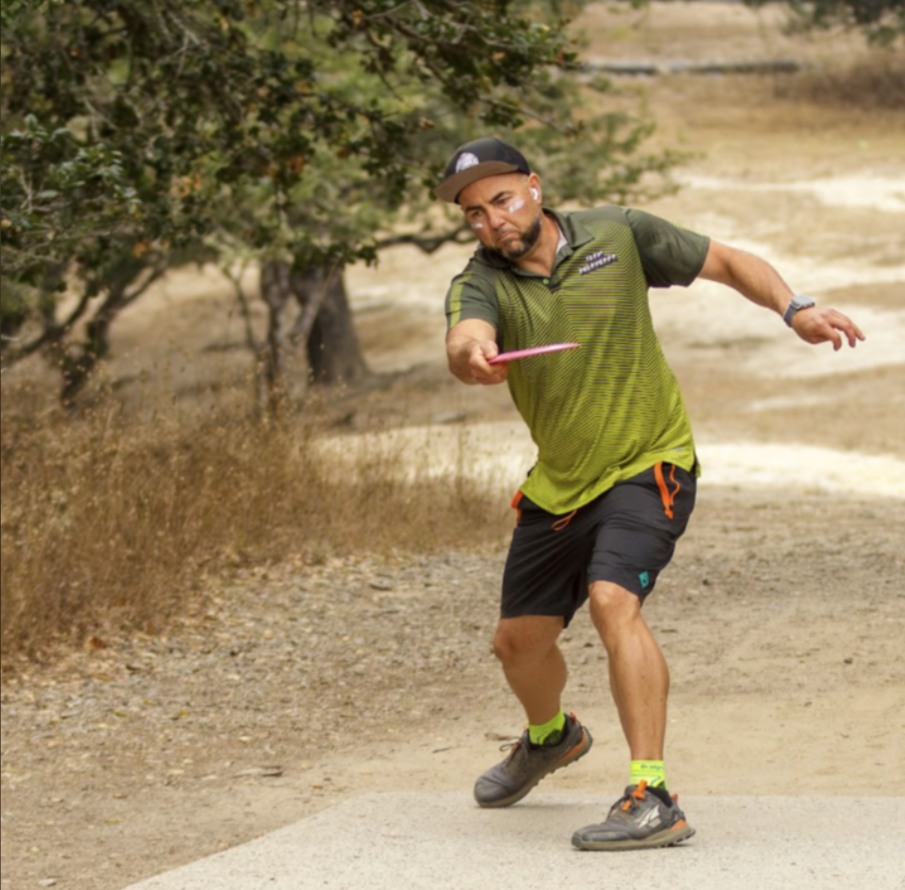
x: 298, y: 130
x: 57, y: 194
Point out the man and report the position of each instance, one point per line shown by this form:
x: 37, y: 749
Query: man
x: 614, y: 483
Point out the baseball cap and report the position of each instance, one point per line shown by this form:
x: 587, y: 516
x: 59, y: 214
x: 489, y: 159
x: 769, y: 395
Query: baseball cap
x: 474, y: 161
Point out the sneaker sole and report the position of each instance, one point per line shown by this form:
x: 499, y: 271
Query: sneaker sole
x: 668, y: 838
x: 567, y: 759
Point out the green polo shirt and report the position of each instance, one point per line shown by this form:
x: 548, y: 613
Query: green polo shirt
x: 603, y: 413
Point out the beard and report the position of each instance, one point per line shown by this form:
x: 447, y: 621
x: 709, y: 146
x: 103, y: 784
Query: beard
x: 525, y: 242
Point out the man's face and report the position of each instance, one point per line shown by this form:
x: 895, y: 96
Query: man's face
x: 503, y: 213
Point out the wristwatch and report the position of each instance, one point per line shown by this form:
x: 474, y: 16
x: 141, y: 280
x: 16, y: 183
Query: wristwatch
x: 798, y: 302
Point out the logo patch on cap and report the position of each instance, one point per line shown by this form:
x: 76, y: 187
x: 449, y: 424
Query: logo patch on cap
x: 466, y: 160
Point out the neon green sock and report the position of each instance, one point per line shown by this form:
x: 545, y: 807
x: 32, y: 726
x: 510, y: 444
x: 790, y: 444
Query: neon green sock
x: 652, y: 771
x: 548, y: 733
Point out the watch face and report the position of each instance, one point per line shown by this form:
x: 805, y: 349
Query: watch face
x: 796, y: 304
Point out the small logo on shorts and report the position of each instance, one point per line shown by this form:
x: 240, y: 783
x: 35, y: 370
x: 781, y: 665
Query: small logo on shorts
x: 644, y: 578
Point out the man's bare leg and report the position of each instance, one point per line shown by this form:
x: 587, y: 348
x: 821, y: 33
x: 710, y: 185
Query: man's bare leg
x: 646, y: 816
x: 532, y: 662
x: 639, y: 677
x: 536, y: 671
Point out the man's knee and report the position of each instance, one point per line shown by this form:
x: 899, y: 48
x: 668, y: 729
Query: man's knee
x: 523, y: 640
x: 507, y: 647
x: 612, y: 605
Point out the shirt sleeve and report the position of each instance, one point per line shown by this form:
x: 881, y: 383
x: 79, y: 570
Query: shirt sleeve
x: 669, y: 254
x: 471, y: 296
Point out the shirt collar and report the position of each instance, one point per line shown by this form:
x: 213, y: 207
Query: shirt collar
x: 575, y: 232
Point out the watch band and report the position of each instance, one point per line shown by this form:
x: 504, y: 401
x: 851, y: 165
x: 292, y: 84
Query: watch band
x: 798, y: 302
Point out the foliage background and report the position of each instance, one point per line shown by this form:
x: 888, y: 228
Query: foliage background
x: 137, y: 137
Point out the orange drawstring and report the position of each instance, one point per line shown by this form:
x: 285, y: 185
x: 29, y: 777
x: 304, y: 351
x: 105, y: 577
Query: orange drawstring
x: 666, y: 496
x: 560, y: 524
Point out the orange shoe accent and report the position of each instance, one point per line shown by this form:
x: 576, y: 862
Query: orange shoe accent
x: 572, y: 750
x: 581, y: 741
x: 680, y: 824
x: 638, y: 794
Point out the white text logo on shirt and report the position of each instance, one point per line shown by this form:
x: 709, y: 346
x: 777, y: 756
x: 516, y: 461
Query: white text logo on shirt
x: 597, y: 260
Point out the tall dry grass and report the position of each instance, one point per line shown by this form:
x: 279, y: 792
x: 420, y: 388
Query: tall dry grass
x: 874, y: 81
x: 109, y: 525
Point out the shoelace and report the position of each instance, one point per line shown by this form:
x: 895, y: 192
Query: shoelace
x: 636, y: 795
x: 512, y: 746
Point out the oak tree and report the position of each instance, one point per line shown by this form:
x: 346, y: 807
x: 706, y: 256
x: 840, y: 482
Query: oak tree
x: 301, y: 135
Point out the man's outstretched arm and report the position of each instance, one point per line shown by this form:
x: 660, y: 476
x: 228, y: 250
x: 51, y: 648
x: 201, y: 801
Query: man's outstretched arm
x: 757, y: 280
x: 469, y: 346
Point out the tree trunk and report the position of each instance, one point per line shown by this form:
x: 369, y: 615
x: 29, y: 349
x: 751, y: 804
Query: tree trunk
x: 276, y: 293
x: 334, y: 355
x: 323, y: 332
x: 79, y: 362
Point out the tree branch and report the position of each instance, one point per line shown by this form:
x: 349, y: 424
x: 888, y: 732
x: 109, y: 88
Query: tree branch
x: 157, y: 272
x: 52, y: 331
x: 429, y: 244
x: 244, y: 308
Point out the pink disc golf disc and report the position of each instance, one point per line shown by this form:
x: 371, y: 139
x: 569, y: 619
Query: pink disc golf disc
x: 534, y: 350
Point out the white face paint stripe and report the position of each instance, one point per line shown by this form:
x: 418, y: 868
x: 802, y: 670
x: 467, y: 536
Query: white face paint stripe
x: 514, y: 207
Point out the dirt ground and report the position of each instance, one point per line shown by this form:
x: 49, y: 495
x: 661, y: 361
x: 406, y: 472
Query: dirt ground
x: 781, y: 617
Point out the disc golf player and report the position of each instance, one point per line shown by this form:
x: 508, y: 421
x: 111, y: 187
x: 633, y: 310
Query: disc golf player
x: 613, y: 487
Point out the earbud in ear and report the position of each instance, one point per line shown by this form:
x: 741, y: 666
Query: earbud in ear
x: 534, y: 194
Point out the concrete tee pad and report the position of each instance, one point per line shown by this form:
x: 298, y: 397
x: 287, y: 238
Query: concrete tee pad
x: 384, y: 841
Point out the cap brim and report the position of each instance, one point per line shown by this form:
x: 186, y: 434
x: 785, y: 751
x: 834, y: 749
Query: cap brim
x: 449, y: 189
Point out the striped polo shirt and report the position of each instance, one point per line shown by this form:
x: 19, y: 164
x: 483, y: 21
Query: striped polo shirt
x: 606, y: 412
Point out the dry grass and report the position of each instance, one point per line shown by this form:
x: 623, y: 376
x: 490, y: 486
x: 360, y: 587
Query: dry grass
x: 875, y: 81
x: 108, y: 525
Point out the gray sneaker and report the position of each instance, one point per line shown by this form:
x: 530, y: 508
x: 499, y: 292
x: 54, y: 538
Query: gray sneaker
x: 509, y: 781
x: 640, y: 819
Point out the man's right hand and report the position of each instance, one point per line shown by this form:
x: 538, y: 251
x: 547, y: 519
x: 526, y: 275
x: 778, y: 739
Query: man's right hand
x: 478, y: 363
x: 469, y: 347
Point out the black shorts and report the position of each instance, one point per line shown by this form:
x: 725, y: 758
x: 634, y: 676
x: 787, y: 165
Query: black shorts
x: 626, y: 536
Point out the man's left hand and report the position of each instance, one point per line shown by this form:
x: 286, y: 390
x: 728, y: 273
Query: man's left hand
x: 819, y: 324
